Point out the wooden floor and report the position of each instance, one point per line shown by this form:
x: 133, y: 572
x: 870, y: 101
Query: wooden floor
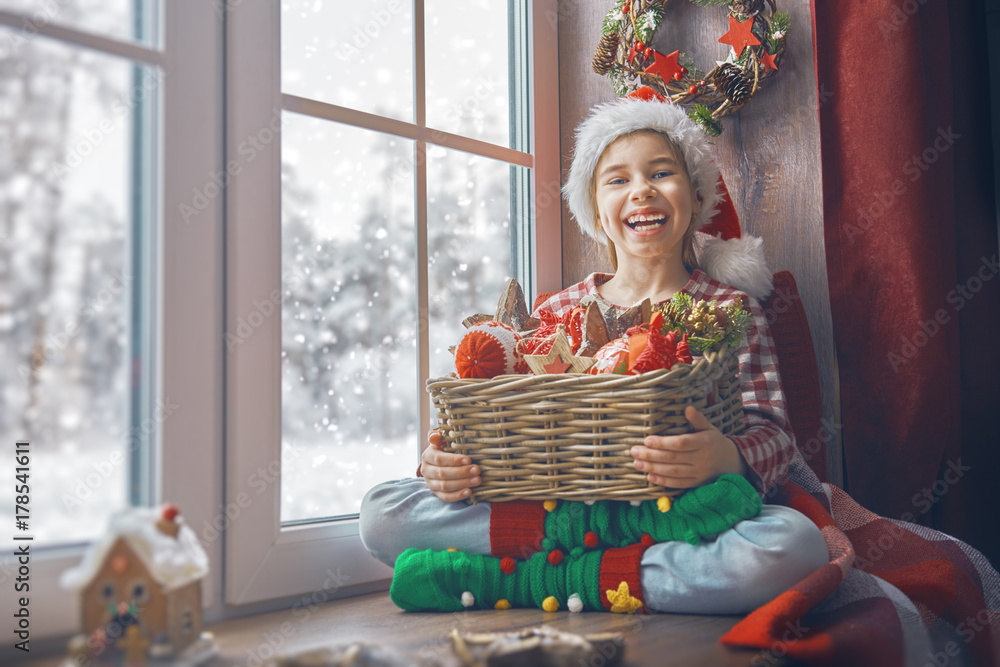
x: 654, y: 640
x: 661, y: 639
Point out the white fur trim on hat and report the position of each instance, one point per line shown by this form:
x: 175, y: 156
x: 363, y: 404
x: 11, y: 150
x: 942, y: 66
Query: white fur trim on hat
x: 609, y: 121
x: 738, y: 262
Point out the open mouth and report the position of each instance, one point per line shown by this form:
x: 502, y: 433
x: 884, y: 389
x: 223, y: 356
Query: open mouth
x: 642, y: 223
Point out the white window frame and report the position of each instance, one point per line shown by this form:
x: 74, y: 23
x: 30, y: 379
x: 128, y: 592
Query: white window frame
x: 188, y: 360
x: 326, y: 560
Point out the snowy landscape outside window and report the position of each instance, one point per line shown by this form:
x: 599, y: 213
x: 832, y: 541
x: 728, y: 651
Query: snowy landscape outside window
x: 78, y: 129
x: 388, y: 240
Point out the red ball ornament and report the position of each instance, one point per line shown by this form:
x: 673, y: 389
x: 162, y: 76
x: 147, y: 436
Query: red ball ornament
x: 678, y: 76
x: 487, y: 350
x: 170, y: 511
x: 701, y: 83
x: 647, y: 540
x: 639, y: 46
x: 625, y: 8
x: 507, y: 565
x: 555, y: 557
x: 648, y: 53
x: 693, y: 90
x: 684, y: 71
x: 590, y: 539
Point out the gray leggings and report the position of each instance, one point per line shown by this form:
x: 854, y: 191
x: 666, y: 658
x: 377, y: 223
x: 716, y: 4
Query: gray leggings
x: 733, y: 573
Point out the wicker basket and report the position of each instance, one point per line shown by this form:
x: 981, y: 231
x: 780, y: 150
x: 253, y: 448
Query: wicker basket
x: 540, y: 437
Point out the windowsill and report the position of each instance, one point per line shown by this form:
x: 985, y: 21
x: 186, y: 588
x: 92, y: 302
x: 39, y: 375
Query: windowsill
x: 373, y: 618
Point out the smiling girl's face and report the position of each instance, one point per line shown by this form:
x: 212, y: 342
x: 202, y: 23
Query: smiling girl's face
x: 645, y: 199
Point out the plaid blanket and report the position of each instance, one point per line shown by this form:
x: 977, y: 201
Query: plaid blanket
x: 893, y: 593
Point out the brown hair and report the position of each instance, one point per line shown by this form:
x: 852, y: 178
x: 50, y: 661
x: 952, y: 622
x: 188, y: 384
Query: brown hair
x: 687, y: 243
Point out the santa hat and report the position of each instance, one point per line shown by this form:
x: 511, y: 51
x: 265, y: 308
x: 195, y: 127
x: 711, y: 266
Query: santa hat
x: 721, y: 250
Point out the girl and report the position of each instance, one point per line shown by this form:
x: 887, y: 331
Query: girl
x: 642, y: 180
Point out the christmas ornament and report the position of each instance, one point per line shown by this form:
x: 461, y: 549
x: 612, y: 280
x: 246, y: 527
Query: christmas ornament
x: 734, y: 85
x: 487, y: 350
x: 756, y: 36
x: 560, y: 357
x: 604, y: 57
x: 707, y: 326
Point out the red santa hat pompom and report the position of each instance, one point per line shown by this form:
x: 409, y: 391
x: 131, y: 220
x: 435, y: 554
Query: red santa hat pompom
x: 488, y: 349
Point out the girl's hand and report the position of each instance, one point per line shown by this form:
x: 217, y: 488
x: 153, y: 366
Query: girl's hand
x: 448, y: 475
x: 689, y: 460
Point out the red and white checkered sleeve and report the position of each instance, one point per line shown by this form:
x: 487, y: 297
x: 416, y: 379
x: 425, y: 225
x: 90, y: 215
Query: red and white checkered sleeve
x: 767, y: 443
x: 565, y: 300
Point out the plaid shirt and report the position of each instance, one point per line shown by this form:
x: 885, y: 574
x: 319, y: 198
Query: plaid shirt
x: 767, y: 443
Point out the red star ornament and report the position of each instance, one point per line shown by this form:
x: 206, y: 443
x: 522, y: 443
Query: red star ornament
x: 665, y: 66
x: 632, y: 53
x: 769, y: 63
x: 740, y: 35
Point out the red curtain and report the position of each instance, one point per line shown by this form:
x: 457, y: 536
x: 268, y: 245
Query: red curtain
x: 911, y: 244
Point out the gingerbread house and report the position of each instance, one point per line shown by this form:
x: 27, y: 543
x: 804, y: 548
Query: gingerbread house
x: 140, y: 585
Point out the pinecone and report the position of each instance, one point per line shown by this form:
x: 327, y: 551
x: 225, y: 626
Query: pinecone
x: 732, y: 82
x: 702, y: 321
x: 746, y: 8
x: 672, y: 316
x: 607, y: 52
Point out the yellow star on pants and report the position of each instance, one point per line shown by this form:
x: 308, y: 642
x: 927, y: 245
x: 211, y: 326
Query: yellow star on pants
x: 621, y: 601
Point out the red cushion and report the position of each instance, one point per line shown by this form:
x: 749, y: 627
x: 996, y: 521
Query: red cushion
x: 799, y: 371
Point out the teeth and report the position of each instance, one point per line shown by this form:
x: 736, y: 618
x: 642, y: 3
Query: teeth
x: 654, y: 220
x: 646, y: 218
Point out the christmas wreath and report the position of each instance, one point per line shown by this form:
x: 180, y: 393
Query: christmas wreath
x: 756, y: 34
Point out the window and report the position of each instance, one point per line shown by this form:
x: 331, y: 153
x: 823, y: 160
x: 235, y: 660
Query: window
x: 379, y: 195
x: 110, y: 302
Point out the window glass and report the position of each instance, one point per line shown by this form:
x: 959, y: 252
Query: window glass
x: 468, y: 58
x: 133, y: 20
x: 468, y: 239
x: 348, y: 315
x: 69, y: 165
x: 353, y: 54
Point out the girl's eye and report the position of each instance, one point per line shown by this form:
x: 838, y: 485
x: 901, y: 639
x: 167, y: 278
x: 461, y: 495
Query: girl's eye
x: 616, y: 181
x: 662, y: 174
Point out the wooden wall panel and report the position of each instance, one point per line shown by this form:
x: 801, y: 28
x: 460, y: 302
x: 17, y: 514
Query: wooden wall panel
x: 769, y: 154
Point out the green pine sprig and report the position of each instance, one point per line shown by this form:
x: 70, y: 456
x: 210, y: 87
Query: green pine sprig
x: 648, y: 23
x: 780, y: 23
x: 614, y: 20
x: 702, y: 115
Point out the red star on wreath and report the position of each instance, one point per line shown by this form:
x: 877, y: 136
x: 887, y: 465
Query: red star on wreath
x: 768, y: 60
x: 740, y: 35
x: 665, y: 66
x: 632, y: 53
